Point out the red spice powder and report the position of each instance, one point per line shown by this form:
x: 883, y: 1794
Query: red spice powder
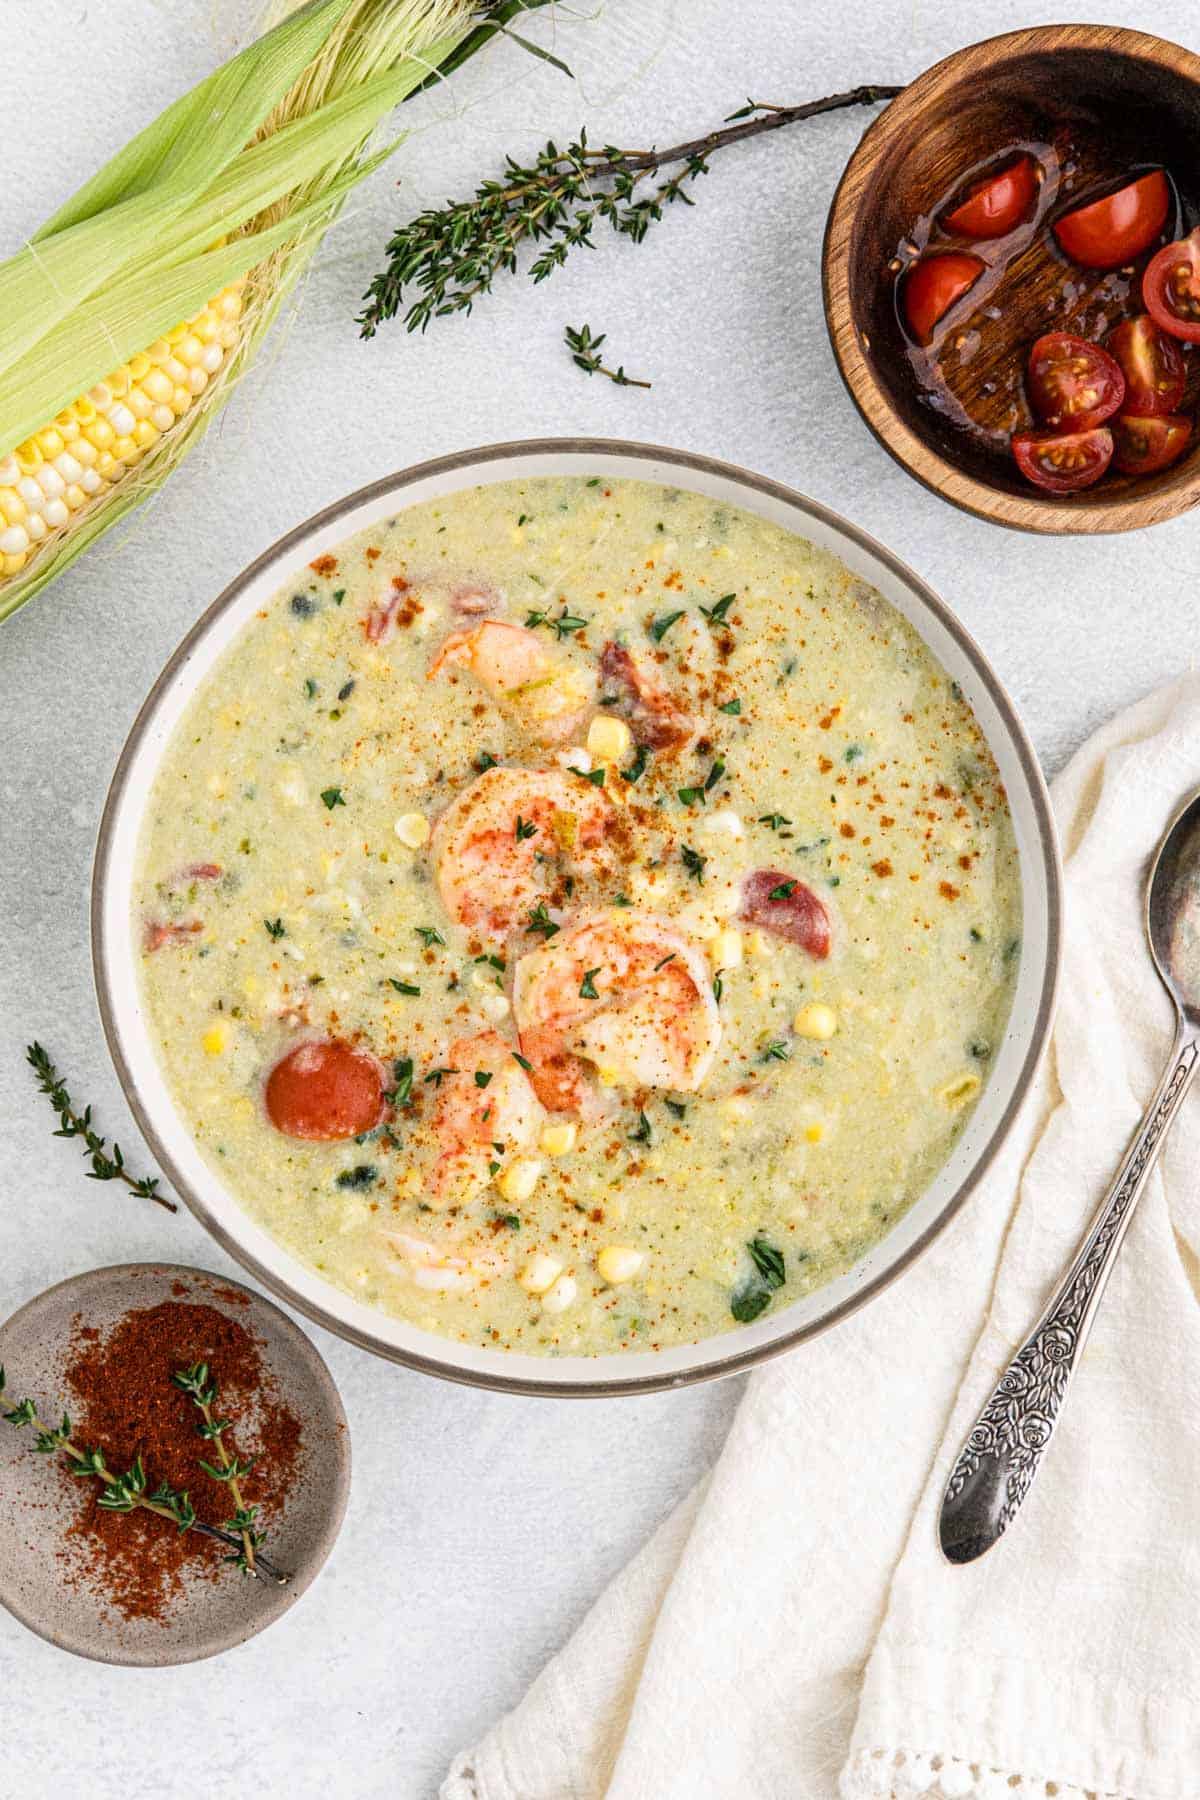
x: 122, y: 1400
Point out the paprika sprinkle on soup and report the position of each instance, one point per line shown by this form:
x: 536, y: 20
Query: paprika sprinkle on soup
x: 124, y: 1400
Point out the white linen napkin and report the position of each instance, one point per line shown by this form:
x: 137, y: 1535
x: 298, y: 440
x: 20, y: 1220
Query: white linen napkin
x: 792, y: 1630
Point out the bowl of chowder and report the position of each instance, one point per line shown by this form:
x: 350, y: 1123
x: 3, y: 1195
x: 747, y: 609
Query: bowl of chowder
x: 576, y: 917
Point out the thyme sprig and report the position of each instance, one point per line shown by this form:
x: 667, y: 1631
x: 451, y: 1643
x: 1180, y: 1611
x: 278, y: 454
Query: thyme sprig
x: 106, y: 1166
x: 202, y: 1391
x: 452, y: 254
x: 127, y: 1492
x: 585, y: 354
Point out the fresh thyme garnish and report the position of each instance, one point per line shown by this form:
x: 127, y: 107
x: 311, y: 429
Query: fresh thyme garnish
x: 587, y: 987
x: 486, y: 761
x: 717, y: 613
x: 691, y: 796
x: 275, y: 928
x: 540, y: 920
x: 333, y: 796
x: 562, y: 627
x: 400, y: 1092
x: 733, y: 707
x: 677, y: 1107
x: 622, y: 900
x: 714, y: 775
x: 718, y: 986
x: 72, y: 1123
x: 524, y: 1062
x: 643, y: 1133
x: 658, y: 628
x: 195, y: 1383
x: 783, y: 891
x: 664, y: 961
x: 585, y: 354
x: 452, y: 254
x: 310, y: 688
x: 362, y: 1175
x: 753, y: 1295
x: 693, y: 862
x: 403, y: 987
x: 429, y: 935
x: 127, y: 1492
x: 482, y: 1078
x: 774, y: 820
x: 595, y: 776
x: 437, y: 1076
x: 779, y: 1050
x: 524, y: 829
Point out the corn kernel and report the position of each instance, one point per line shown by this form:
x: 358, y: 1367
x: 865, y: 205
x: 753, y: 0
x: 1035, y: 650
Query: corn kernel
x: 959, y: 1090
x: 215, y: 1040
x: 559, y: 1139
x: 814, y: 1133
x: 815, y: 1021
x: 561, y: 1295
x: 540, y: 1273
x: 520, y: 1178
x: 725, y: 950
x: 412, y: 829
x: 608, y: 739
x: 619, y: 1262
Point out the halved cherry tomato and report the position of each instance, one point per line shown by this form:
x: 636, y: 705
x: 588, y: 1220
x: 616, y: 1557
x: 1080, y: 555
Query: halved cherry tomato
x: 1119, y: 226
x: 933, y: 285
x: 1063, y: 461
x: 1146, y: 444
x: 1171, y: 288
x: 325, y: 1088
x: 993, y: 204
x: 1073, y: 383
x: 1152, y: 364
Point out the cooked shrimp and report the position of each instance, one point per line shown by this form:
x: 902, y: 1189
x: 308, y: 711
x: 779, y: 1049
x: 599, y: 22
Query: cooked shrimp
x: 547, y: 698
x: 655, y: 716
x: 507, y: 841
x: 624, y: 990
x: 486, y: 1113
x: 444, y: 1269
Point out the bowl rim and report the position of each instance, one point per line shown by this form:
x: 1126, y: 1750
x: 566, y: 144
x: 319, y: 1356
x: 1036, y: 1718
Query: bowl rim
x: 914, y: 454
x: 639, y: 1379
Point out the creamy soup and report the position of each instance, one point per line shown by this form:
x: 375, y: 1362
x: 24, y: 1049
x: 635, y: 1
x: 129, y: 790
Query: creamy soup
x: 576, y: 916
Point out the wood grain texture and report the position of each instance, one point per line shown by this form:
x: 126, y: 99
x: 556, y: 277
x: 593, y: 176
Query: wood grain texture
x: 1126, y: 100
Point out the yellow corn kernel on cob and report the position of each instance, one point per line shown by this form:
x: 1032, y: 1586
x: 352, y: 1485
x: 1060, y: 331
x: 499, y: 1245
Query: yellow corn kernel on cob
x: 58, y: 471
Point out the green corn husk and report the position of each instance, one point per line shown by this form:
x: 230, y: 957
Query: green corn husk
x: 240, y: 177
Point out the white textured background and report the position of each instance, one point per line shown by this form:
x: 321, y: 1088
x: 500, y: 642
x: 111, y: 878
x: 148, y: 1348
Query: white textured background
x: 480, y: 1527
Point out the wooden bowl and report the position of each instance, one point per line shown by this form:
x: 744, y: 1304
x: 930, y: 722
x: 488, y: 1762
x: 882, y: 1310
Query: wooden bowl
x: 1123, y: 100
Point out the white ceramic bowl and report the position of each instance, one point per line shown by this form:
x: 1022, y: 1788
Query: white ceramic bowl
x: 115, y: 951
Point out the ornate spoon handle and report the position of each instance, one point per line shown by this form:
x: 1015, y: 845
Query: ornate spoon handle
x: 997, y: 1464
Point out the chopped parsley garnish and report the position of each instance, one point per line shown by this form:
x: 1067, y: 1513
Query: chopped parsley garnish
x: 429, y: 935
x: 622, y: 900
x: 562, y: 627
x: 347, y: 688
x: 402, y: 1075
x: 638, y: 766
x: 482, y: 1078
x: 783, y: 891
x: 691, y: 796
x: 733, y: 706
x: 493, y: 962
x: 595, y: 776
x: 852, y: 752
x: 524, y: 829
x: 778, y: 1050
x: 718, y: 984
x: 362, y: 1176
x: 540, y: 920
x: 677, y: 1107
x: 659, y: 627
x: 717, y: 614
x: 693, y: 862
x: 339, y: 594
x: 768, y: 1261
x: 437, y: 1076
x: 774, y: 820
x: 303, y: 605
x: 275, y: 928
x: 714, y: 775
x: 403, y: 987
x: 524, y: 1062
x: 643, y: 1133
x: 587, y: 987
x: 333, y: 797
x: 310, y: 688
x: 511, y: 1220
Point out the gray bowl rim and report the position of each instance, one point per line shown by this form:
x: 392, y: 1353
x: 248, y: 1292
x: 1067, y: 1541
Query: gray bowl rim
x: 636, y: 1382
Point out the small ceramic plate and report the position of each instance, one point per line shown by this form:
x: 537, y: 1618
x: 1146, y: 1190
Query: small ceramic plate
x: 40, y: 1579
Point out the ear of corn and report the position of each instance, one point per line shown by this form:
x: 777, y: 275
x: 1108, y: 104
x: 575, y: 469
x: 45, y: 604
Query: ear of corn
x: 127, y: 318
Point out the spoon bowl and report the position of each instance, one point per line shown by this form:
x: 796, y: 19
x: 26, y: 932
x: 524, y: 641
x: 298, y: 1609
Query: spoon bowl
x: 1173, y: 910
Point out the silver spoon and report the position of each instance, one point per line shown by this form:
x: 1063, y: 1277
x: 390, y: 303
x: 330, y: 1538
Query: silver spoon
x: 997, y: 1464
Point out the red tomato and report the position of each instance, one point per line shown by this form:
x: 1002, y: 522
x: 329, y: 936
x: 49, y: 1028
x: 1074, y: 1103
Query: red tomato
x: 1171, y: 288
x: 325, y: 1088
x: 1146, y: 444
x: 993, y: 204
x: 1063, y: 461
x: 1073, y: 383
x: 780, y: 904
x: 1118, y: 227
x: 933, y: 285
x: 1152, y: 364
